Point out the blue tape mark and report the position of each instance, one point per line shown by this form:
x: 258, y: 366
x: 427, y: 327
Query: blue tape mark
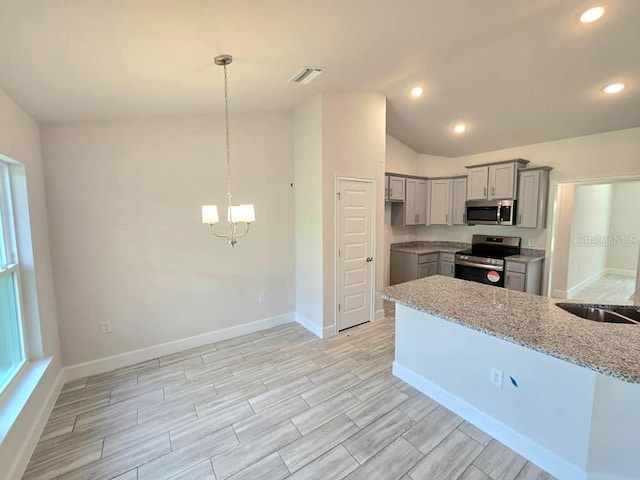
x: 513, y: 381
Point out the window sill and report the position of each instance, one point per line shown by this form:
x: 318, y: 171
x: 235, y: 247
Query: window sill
x: 18, y: 393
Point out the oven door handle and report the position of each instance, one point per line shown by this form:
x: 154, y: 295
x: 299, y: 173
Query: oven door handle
x: 483, y: 266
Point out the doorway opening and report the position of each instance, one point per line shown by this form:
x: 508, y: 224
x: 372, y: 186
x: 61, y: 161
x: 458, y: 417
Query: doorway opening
x: 597, y: 242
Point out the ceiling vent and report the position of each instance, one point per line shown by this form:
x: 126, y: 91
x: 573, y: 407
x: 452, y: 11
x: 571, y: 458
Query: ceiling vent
x: 306, y: 75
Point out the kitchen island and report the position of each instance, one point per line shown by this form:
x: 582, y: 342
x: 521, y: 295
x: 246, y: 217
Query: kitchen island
x: 562, y: 391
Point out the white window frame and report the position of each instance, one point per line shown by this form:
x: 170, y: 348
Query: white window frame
x: 12, y: 268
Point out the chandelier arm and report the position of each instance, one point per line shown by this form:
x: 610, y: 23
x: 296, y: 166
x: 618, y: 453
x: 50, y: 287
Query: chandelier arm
x: 245, y: 232
x: 218, y: 235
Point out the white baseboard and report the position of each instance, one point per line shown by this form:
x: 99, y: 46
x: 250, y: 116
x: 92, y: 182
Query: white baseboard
x: 592, y: 278
x: 107, y: 364
x: 309, y: 324
x: 621, y: 272
x: 23, y: 455
x: 329, y: 331
x: 379, y: 315
x: 526, y: 447
x: 559, y: 294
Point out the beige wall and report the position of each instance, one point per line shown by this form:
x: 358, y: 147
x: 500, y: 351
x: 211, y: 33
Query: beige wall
x: 307, y: 142
x: 353, y: 139
x: 400, y: 158
x: 625, y: 225
x: 20, y: 141
x: 127, y: 239
x: 591, y: 218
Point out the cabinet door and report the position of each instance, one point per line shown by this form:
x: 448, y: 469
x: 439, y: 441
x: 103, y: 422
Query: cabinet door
x: 409, y: 202
x: 528, y: 199
x: 515, y: 281
x: 502, y: 181
x: 432, y: 268
x: 440, y: 204
x: 423, y: 270
x: 459, y: 209
x: 396, y: 189
x: 477, y: 181
x: 448, y: 269
x: 420, y: 206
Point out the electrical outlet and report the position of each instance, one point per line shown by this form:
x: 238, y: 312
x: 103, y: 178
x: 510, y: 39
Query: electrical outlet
x: 262, y: 297
x: 530, y: 242
x: 495, y: 377
x: 106, y: 327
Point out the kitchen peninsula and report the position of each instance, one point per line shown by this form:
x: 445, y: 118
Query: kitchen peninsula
x: 562, y: 391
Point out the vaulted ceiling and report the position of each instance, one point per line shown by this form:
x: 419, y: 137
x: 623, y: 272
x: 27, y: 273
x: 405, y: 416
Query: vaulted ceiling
x: 517, y: 72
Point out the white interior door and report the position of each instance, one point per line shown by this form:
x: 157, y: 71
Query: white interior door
x: 355, y: 252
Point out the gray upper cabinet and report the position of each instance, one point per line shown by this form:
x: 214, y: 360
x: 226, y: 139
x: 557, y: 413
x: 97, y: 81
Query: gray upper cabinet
x: 494, y: 182
x: 477, y: 181
x: 440, y: 201
x: 394, y: 191
x: 459, y: 210
x: 415, y: 203
x: 533, y: 189
x: 502, y: 181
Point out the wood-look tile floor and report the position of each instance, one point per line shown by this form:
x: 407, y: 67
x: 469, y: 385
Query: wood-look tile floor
x: 271, y: 405
x: 607, y: 289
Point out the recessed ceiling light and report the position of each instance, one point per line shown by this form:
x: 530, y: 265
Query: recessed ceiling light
x: 592, y: 15
x: 613, y: 88
x: 459, y: 128
x: 417, y: 91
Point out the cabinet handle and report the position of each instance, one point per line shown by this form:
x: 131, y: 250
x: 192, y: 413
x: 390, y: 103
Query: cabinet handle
x: 446, y: 217
x: 493, y: 191
x: 391, y: 191
x: 519, y: 219
x: 485, y: 191
x: 464, y: 218
x: 508, y: 280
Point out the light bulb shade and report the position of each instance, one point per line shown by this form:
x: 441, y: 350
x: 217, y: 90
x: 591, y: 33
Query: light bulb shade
x: 241, y: 213
x: 210, y: 214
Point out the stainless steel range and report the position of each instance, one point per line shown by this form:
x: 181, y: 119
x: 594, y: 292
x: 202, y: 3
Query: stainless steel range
x: 484, y: 263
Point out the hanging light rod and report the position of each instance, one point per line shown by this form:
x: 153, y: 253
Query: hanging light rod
x: 236, y: 214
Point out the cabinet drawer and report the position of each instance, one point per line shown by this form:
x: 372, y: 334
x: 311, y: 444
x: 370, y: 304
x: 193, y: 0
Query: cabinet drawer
x: 448, y: 257
x: 516, y: 267
x: 428, y: 258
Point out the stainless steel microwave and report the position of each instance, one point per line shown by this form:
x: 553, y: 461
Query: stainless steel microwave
x: 491, y: 212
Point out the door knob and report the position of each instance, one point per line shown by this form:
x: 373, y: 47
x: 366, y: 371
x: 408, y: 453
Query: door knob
x: 369, y: 259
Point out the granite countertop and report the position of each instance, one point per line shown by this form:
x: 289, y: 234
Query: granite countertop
x: 421, y: 247
x: 528, y: 255
x: 528, y: 320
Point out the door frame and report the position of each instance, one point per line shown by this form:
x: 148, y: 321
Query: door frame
x: 553, y: 213
x: 336, y: 243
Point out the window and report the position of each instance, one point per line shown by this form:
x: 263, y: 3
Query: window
x: 12, y: 355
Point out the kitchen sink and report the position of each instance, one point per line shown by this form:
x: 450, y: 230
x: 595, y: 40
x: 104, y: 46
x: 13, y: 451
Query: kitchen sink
x: 630, y: 312
x: 600, y: 314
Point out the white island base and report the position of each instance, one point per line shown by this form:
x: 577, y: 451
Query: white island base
x: 573, y: 422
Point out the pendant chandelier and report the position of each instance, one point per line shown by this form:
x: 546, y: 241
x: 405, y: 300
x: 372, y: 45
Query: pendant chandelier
x: 238, y: 216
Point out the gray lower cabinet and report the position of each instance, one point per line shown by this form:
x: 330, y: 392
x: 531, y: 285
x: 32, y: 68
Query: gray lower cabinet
x: 410, y: 266
x: 447, y: 264
x: 515, y: 281
x: 524, y: 276
x: 448, y: 269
